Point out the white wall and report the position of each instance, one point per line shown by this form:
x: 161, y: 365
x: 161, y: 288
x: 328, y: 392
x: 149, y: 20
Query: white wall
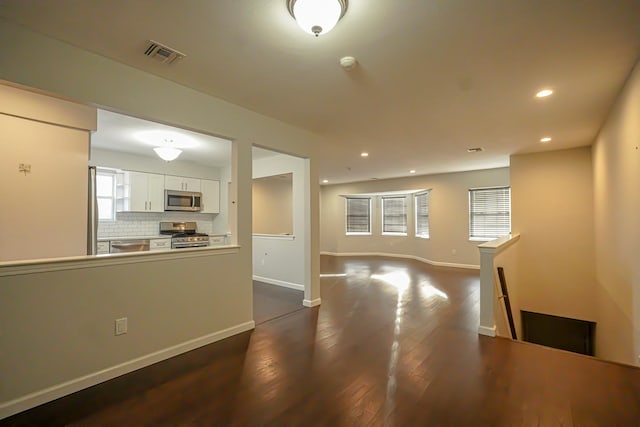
x: 272, y: 207
x: 44, y: 211
x: 281, y: 260
x: 74, y: 309
x: 616, y: 172
x: 448, y: 217
x: 552, y: 209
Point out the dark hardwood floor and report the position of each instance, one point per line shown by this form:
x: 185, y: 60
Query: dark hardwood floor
x: 271, y: 302
x: 393, y: 343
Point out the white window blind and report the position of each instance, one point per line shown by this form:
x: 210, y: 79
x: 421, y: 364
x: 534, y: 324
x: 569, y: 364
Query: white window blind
x: 358, y: 215
x: 421, y: 202
x: 489, y: 213
x: 394, y: 215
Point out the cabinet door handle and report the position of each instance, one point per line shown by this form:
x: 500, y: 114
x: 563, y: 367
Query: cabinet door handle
x: 149, y: 204
x: 145, y: 205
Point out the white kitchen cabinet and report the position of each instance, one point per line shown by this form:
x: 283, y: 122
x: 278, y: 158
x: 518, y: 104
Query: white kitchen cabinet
x: 103, y: 247
x: 181, y: 183
x: 210, y: 196
x: 217, y: 240
x: 159, y: 244
x: 143, y: 192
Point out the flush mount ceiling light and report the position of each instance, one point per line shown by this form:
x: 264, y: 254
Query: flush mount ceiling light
x: 167, y: 153
x: 364, y: 154
x: 544, y: 93
x: 317, y: 16
x: 545, y: 139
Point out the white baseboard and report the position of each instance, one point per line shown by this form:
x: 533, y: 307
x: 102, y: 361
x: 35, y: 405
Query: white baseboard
x: 43, y: 396
x: 311, y: 303
x: 417, y: 258
x: 279, y: 283
x: 487, y: 330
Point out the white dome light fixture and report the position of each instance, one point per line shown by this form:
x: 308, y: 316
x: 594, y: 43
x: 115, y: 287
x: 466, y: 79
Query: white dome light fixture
x: 167, y: 153
x: 317, y: 16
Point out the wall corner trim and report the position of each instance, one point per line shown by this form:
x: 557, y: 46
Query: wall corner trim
x: 311, y: 303
x: 43, y: 396
x: 487, y: 331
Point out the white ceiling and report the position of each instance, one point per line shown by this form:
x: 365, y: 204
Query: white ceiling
x: 117, y: 132
x: 435, y: 76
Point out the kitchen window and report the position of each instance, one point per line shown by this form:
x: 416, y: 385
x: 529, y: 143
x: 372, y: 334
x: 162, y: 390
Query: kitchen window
x: 421, y: 202
x: 105, y: 195
x: 358, y: 215
x: 489, y: 213
x: 394, y: 215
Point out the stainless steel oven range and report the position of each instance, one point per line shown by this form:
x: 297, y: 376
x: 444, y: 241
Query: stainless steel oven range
x: 184, y: 235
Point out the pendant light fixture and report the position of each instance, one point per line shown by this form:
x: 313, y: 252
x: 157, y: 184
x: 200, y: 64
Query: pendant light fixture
x: 317, y: 16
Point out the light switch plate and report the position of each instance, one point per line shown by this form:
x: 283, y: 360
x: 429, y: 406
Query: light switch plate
x: 121, y: 326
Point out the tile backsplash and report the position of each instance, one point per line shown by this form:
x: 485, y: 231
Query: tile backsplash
x: 148, y: 223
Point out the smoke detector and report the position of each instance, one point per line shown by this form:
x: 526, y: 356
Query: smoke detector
x: 348, y: 63
x: 163, y: 53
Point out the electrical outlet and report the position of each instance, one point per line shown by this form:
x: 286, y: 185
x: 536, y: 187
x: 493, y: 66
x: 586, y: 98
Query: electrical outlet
x: 453, y: 251
x: 121, y: 326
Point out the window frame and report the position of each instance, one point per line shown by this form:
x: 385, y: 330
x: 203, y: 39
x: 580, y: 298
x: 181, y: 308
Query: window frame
x: 346, y: 217
x: 476, y: 238
x: 112, y: 175
x: 384, y: 215
x: 416, y: 217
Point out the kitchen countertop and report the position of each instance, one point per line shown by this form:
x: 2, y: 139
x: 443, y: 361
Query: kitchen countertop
x: 156, y: 236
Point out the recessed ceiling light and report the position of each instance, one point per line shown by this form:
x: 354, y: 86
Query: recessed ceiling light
x: 474, y: 150
x: 324, y: 181
x: 364, y: 154
x: 544, y: 93
x: 545, y: 139
x: 412, y: 171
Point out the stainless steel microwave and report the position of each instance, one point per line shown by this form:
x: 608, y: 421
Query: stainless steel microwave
x: 182, y: 201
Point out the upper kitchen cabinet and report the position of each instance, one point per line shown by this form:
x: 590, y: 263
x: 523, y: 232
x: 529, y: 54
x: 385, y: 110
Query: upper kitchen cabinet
x: 140, y: 192
x: 210, y: 196
x: 180, y: 183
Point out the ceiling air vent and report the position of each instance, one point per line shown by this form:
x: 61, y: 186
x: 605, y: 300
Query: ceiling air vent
x: 163, y: 53
x: 475, y: 150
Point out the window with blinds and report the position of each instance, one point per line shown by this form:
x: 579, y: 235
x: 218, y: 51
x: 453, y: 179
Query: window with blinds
x: 489, y: 213
x: 394, y: 215
x: 358, y: 215
x: 421, y: 202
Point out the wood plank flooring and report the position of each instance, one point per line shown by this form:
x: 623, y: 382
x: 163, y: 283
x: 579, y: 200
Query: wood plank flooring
x: 271, y: 301
x: 394, y: 343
